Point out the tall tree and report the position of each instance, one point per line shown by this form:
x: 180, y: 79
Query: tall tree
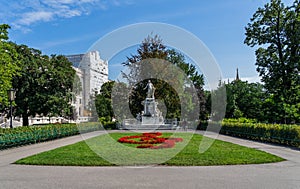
x: 196, y: 79
x: 139, y: 66
x: 146, y: 63
x: 61, y: 76
x: 9, y: 65
x: 275, y: 29
x: 218, y: 102
x: 103, y: 102
x: 44, y: 85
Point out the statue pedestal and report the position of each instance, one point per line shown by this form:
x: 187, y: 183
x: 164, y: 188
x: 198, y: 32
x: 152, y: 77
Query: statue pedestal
x: 151, y: 113
x: 152, y: 120
x: 150, y: 107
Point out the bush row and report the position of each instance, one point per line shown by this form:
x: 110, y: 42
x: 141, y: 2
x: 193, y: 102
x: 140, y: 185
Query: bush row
x: 274, y: 133
x: 34, y: 134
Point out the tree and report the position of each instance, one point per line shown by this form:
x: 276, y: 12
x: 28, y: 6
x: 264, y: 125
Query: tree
x: 9, y: 65
x: 153, y: 60
x: 275, y: 29
x: 103, y: 102
x: 59, y: 86
x: 44, y: 85
x: 139, y: 65
x: 245, y: 100
x: 197, y: 80
x: 218, y: 102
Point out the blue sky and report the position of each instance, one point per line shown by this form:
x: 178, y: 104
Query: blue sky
x: 72, y: 26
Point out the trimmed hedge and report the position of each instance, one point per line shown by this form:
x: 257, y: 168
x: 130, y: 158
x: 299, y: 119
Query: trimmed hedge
x: 274, y: 133
x: 34, y: 134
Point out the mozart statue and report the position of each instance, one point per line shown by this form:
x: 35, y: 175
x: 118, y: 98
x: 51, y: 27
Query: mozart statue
x: 151, y: 89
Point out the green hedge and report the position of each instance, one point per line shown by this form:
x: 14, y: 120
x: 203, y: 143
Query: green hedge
x: 34, y: 134
x: 275, y: 133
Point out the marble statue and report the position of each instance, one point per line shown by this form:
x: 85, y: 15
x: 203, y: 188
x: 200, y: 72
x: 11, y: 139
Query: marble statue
x: 151, y: 89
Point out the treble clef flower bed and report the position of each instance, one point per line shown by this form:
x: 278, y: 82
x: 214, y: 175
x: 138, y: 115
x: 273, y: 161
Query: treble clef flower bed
x: 150, y: 140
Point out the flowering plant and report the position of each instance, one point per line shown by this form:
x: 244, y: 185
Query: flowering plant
x: 149, y: 140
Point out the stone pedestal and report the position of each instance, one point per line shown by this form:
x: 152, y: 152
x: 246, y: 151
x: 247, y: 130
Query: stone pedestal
x: 152, y: 120
x: 150, y: 107
x: 151, y: 114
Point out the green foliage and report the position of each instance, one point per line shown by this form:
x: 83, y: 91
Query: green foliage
x: 170, y: 103
x: 196, y: 79
x: 149, y: 52
x: 218, y: 102
x: 151, y: 47
x: 275, y: 30
x: 248, y: 128
x: 239, y: 120
x: 275, y: 133
x: 44, y: 84
x: 207, y: 96
x: 9, y: 65
x: 109, y: 125
x: 245, y: 100
x: 103, y: 102
x: 33, y: 134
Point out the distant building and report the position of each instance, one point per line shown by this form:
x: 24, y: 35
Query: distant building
x: 93, y: 73
x: 78, y: 103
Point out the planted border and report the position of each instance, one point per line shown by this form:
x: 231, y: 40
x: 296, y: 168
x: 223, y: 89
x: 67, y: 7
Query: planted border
x: 34, y: 134
x: 288, y: 135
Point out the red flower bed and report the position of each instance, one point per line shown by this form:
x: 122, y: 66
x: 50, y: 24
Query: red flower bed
x: 147, y: 140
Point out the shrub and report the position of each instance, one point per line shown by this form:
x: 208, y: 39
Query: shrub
x: 275, y: 133
x: 34, y: 134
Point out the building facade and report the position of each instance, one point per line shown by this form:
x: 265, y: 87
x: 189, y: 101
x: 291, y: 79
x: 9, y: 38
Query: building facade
x: 93, y: 73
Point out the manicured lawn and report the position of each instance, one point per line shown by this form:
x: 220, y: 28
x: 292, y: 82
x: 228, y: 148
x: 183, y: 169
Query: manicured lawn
x: 105, y: 151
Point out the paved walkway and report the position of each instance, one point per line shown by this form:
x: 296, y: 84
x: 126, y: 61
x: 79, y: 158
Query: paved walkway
x: 276, y: 175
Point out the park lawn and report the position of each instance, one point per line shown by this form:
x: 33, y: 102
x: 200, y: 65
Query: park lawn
x: 96, y: 151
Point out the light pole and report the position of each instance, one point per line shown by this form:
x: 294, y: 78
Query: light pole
x: 11, y: 97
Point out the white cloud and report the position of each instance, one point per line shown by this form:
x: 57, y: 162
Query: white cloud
x: 22, y: 14
x: 253, y: 79
x: 31, y: 17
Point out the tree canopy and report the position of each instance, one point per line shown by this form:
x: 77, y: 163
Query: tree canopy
x: 152, y: 61
x: 275, y: 30
x: 245, y: 100
x: 103, y: 102
x: 44, y: 84
x: 9, y: 65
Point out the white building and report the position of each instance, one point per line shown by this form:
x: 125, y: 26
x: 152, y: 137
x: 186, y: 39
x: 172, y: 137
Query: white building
x: 93, y: 73
x: 78, y: 103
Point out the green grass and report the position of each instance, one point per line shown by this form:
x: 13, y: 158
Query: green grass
x: 105, y: 151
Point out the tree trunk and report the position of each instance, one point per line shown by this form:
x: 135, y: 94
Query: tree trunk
x: 25, y: 120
